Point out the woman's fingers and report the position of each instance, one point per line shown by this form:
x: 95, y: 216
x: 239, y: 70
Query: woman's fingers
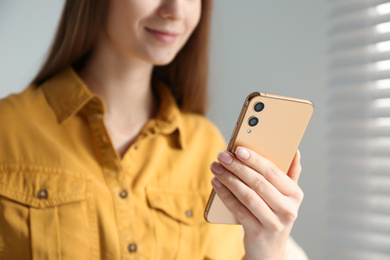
x: 240, y: 195
x: 295, y: 169
x: 233, y: 204
x: 281, y: 181
x: 249, y: 180
x: 242, y: 214
x: 256, y: 181
x: 262, y: 198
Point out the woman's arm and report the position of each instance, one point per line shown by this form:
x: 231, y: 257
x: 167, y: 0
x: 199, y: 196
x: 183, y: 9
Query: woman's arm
x: 263, y: 199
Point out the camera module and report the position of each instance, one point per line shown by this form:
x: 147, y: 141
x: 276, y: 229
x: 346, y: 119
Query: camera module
x: 259, y: 106
x: 253, y: 121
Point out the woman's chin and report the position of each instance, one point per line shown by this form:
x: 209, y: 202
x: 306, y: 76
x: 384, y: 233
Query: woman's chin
x: 161, y: 58
x: 162, y: 62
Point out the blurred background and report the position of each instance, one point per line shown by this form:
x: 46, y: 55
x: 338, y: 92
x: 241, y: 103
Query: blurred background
x: 334, y: 53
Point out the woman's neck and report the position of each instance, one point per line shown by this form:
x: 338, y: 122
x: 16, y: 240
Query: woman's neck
x: 125, y: 87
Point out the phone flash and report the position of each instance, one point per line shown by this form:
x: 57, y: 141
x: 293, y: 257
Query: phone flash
x: 248, y: 131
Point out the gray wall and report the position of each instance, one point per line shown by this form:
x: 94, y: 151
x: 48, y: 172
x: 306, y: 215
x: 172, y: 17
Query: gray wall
x: 273, y: 46
x: 26, y: 29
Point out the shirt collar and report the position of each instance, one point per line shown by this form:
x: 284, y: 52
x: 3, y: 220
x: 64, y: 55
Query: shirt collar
x: 67, y: 95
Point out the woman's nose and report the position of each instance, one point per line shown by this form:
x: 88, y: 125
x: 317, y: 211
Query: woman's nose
x: 171, y: 9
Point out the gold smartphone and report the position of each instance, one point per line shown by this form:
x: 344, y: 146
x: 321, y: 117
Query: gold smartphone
x: 270, y: 125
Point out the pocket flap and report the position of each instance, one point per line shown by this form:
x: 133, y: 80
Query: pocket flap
x: 184, y: 206
x: 41, y: 189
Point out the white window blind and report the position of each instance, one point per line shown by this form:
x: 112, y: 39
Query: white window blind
x: 359, y: 130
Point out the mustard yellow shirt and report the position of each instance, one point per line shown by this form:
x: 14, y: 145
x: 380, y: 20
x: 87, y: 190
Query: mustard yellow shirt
x: 66, y: 194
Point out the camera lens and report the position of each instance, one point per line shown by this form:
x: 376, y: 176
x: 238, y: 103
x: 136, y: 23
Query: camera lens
x: 253, y: 121
x: 259, y: 106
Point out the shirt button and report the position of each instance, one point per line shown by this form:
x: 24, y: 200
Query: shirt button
x: 42, y: 194
x: 132, y: 248
x: 189, y: 213
x: 123, y: 194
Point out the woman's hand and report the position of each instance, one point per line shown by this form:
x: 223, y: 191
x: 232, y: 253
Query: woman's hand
x: 262, y: 198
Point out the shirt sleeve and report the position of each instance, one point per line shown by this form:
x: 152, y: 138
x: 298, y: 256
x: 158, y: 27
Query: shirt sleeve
x: 294, y: 251
x: 226, y: 242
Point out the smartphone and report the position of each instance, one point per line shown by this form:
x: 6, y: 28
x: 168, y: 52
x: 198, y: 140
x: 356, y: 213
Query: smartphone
x: 270, y: 125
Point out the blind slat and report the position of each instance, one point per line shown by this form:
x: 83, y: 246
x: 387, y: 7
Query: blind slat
x: 359, y: 130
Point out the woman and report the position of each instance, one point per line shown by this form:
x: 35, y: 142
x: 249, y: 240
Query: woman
x: 106, y: 154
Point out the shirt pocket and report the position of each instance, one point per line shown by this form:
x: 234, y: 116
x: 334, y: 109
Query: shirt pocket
x: 179, y: 222
x: 46, y: 215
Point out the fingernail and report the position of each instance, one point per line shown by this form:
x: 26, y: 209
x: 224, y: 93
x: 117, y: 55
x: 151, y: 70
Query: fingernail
x: 225, y: 157
x: 242, y: 153
x: 216, y: 182
x: 217, y: 168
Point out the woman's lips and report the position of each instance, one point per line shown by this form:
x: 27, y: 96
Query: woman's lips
x: 166, y: 37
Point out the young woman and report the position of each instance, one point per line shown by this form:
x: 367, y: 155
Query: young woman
x: 106, y: 155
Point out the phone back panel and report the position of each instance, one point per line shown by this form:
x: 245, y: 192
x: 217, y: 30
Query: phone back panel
x: 276, y: 136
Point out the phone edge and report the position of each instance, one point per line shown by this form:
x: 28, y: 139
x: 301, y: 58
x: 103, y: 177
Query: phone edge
x: 231, y: 144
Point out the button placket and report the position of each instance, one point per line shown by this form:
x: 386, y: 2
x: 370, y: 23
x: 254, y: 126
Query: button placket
x: 95, y: 116
x: 144, y: 136
x: 113, y: 167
